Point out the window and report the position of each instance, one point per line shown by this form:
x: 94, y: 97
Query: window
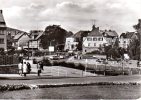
x: 94, y: 39
x: 88, y: 44
x: 1, y: 41
x: 100, y: 39
x: 94, y: 44
x: 89, y: 39
x: 1, y: 32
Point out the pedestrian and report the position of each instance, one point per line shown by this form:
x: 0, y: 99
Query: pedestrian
x: 41, y: 65
x: 20, y: 67
x: 25, y: 69
x: 28, y: 67
x: 39, y: 69
x: 138, y: 63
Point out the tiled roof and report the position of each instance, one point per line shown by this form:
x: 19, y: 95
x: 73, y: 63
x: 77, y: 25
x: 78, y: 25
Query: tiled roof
x: 111, y: 33
x: 95, y: 33
x: 127, y: 35
x: 81, y: 33
x: 39, y: 35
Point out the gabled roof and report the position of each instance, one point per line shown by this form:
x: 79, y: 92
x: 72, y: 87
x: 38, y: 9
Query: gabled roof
x: 2, y: 21
x: 95, y: 32
x: 81, y: 33
x: 19, y: 35
x: 111, y: 33
x: 127, y: 35
x: 39, y: 35
x: 13, y: 31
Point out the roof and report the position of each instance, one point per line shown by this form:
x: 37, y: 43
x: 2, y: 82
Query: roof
x: 13, y: 31
x: 39, y: 35
x: 81, y: 33
x: 95, y: 32
x: 127, y: 35
x: 111, y: 33
x: 19, y: 35
x: 2, y: 21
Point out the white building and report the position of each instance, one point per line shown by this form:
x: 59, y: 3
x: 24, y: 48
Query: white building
x: 126, y: 38
x: 96, y: 39
x: 93, y: 41
x: 70, y: 44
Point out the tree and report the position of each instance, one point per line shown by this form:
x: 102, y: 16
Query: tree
x: 54, y: 35
x: 138, y: 29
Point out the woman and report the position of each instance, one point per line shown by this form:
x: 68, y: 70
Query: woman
x: 39, y: 68
x: 20, y: 66
x: 25, y: 69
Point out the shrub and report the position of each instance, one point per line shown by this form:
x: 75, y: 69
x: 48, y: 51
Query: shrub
x: 46, y: 62
x: 81, y: 67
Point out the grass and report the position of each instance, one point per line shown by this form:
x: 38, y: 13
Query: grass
x: 77, y: 92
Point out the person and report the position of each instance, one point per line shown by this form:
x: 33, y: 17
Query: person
x: 20, y: 67
x: 39, y: 69
x: 28, y: 67
x: 25, y: 69
x: 41, y: 65
x: 138, y: 63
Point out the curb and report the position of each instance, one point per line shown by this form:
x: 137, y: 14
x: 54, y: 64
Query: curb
x: 13, y: 87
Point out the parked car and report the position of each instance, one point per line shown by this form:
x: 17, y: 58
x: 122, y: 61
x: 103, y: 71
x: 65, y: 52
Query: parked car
x: 54, y: 57
x: 62, y: 57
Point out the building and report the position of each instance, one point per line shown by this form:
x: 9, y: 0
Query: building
x: 11, y: 33
x: 93, y: 41
x: 110, y: 36
x: 3, y: 39
x: 35, y: 36
x: 126, y: 38
x: 70, y: 44
x: 21, y: 40
x: 97, y: 39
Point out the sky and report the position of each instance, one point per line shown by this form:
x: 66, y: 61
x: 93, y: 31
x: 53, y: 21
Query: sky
x: 72, y: 15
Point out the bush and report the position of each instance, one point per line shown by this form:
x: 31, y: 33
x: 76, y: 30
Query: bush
x: 69, y: 65
x: 81, y: 67
x: 46, y: 62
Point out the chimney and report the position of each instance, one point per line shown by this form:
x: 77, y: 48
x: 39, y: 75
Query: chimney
x: 1, y: 11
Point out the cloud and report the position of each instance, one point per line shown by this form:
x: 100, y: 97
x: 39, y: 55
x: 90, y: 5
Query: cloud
x: 73, y: 15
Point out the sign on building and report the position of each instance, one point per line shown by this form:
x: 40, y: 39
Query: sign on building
x: 51, y: 48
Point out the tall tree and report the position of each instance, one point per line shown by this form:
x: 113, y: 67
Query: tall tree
x: 138, y: 29
x: 54, y: 35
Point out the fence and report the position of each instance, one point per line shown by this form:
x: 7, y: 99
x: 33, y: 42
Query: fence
x: 9, y: 59
x: 9, y: 64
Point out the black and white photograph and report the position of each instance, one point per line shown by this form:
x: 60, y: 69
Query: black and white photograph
x: 70, y: 49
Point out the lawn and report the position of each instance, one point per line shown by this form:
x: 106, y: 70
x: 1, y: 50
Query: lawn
x: 77, y: 92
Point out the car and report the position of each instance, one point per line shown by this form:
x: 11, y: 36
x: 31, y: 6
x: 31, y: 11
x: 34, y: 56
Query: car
x: 61, y: 56
x: 54, y: 57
